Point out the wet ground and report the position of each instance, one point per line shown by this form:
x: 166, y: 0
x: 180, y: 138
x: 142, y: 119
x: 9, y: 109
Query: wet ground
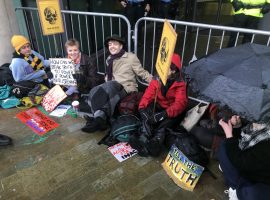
x: 69, y: 164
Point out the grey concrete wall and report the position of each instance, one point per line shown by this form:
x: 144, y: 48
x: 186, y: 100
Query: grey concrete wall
x: 9, y: 27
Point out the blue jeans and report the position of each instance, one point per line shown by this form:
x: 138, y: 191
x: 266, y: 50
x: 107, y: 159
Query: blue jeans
x: 245, y: 189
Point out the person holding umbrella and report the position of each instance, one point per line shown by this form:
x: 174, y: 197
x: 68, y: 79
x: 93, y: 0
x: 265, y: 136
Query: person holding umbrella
x: 246, y: 162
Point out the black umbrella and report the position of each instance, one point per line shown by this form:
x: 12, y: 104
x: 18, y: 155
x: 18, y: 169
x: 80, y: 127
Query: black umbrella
x: 238, y: 77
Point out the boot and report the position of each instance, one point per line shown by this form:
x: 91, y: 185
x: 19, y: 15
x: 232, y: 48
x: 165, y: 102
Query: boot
x: 5, y: 140
x: 155, y: 144
x: 98, y: 124
x: 139, y: 143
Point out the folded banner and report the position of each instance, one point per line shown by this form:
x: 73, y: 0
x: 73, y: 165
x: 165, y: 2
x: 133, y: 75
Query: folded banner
x: 183, y: 171
x: 37, y: 121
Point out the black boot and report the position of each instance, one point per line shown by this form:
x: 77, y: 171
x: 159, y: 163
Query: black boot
x: 139, y: 143
x: 97, y: 124
x: 155, y: 144
x: 5, y: 140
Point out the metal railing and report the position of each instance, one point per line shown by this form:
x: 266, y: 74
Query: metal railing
x: 194, y: 41
x: 89, y: 28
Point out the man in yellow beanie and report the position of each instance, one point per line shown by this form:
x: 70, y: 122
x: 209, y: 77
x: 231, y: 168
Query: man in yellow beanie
x: 26, y: 64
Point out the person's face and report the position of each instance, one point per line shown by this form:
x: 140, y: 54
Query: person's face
x: 114, y: 47
x: 235, y: 120
x: 25, y: 49
x: 171, y: 73
x: 73, y: 52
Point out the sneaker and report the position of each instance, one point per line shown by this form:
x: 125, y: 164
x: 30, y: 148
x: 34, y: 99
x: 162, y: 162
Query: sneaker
x: 232, y: 194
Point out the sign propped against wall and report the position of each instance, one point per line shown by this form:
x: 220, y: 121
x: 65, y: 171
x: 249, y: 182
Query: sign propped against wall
x: 165, y: 51
x: 62, y: 70
x: 183, y: 171
x: 50, y: 16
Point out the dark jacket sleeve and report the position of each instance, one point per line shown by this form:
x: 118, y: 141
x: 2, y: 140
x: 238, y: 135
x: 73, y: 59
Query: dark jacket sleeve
x: 252, y: 163
x: 90, y: 77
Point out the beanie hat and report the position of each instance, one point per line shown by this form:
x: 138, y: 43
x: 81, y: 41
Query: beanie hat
x: 18, y: 41
x: 176, y: 62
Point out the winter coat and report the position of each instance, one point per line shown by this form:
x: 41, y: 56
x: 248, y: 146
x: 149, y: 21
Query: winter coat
x: 88, y: 76
x: 125, y: 70
x: 175, y: 101
x: 253, y: 163
x: 23, y: 71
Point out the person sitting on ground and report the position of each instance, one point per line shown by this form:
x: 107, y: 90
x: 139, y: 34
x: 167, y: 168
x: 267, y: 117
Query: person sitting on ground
x: 27, y: 64
x: 122, y: 69
x: 209, y: 133
x: 85, y: 72
x: 245, y: 162
x: 160, y: 107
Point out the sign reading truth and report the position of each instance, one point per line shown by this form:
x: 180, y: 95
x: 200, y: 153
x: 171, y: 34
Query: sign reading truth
x: 183, y: 171
x: 62, y: 70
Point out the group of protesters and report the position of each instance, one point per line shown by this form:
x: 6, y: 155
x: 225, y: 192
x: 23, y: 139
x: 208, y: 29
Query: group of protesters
x: 242, y: 147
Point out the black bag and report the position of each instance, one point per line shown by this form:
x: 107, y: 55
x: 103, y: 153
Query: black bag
x: 22, y: 88
x: 6, y: 77
x: 121, y: 129
x: 187, y: 143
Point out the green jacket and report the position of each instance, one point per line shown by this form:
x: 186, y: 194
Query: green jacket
x: 253, y: 7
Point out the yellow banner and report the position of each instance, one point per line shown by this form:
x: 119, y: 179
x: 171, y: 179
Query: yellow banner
x: 166, y: 50
x: 183, y: 171
x: 50, y: 16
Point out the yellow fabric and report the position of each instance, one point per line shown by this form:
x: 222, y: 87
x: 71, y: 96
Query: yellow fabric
x: 18, y: 41
x: 256, y: 12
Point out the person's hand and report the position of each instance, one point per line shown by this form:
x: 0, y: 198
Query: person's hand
x: 157, y: 117
x: 147, y: 8
x: 227, y: 127
x: 123, y: 3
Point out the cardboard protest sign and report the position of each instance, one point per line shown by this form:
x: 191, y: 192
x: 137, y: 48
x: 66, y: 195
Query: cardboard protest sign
x: 165, y: 51
x: 62, y: 70
x: 37, y: 121
x: 53, y: 97
x: 183, y: 171
x: 50, y: 16
x: 122, y: 151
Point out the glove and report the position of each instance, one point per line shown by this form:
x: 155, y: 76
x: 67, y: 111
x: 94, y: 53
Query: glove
x: 237, y: 5
x: 158, y: 117
x: 265, y: 8
x: 79, y: 78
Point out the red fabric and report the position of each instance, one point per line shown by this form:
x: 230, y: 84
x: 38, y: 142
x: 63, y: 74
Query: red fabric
x: 175, y: 101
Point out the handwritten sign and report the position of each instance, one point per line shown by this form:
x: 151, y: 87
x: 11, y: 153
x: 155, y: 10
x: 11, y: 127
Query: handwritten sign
x: 37, y: 121
x: 183, y: 171
x: 165, y: 51
x: 62, y: 70
x: 122, y: 151
x: 53, y: 98
x: 50, y: 16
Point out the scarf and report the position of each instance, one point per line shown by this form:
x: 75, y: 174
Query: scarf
x: 251, y: 136
x: 35, y: 62
x: 109, y: 63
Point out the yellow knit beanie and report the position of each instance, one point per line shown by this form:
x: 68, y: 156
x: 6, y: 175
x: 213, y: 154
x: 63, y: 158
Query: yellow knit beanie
x: 18, y: 41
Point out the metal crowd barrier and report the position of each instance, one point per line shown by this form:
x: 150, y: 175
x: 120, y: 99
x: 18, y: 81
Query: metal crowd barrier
x: 194, y: 40
x: 89, y: 28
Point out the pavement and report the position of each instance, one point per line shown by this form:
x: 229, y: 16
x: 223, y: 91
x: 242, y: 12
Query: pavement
x: 67, y: 163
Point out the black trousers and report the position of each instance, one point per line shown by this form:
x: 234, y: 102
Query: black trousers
x: 243, y: 21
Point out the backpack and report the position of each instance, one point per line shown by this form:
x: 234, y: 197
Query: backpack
x: 130, y: 103
x: 22, y: 88
x: 121, y: 130
x: 6, y: 76
x: 187, y: 143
